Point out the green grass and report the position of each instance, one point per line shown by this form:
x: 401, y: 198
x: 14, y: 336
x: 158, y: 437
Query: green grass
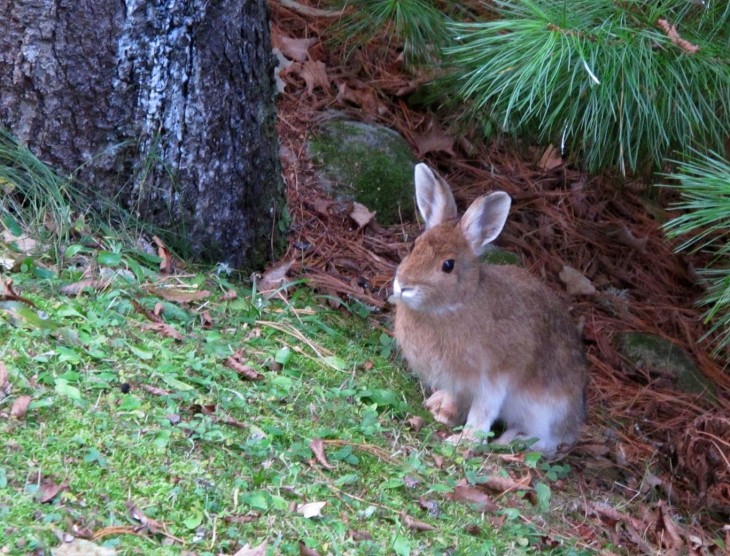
x: 215, y: 460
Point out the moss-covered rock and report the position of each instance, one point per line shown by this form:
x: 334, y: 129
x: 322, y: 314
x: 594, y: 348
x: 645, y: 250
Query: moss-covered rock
x: 368, y: 163
x: 499, y: 256
x: 654, y: 352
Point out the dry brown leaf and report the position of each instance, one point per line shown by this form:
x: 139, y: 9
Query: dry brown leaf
x: 164, y: 329
x: 363, y: 98
x: 474, y: 497
x: 416, y: 525
x: 78, y: 287
x: 311, y: 509
x: 507, y: 484
x: 179, y: 296
x: 294, y: 49
x: 321, y: 205
x: 415, y: 423
x: 230, y: 421
x: 243, y: 370
x: 20, y: 407
x: 275, y: 277
x: 229, y: 295
x: 550, y: 159
x: 361, y: 214
x: 629, y: 239
x: 434, y: 140
x: 575, y: 282
x: 164, y: 253
x: 151, y: 315
x: 154, y: 390
x: 206, y: 321
x: 673, y: 35
x: 315, y: 75
x: 304, y: 550
x: 317, y: 447
x: 49, y: 490
x: 246, y: 550
x: 147, y: 523
x: 4, y: 381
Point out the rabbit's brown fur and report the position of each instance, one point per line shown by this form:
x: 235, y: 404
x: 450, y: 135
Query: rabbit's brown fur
x: 490, y: 336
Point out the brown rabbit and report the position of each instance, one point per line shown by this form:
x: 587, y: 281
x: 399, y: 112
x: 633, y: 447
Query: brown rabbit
x: 491, y: 341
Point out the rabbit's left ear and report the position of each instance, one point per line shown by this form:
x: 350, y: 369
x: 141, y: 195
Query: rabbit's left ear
x: 433, y: 197
x: 484, y: 220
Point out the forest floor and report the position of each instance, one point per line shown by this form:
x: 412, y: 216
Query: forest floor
x: 664, y: 451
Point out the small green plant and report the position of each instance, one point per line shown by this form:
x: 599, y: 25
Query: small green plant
x: 704, y: 183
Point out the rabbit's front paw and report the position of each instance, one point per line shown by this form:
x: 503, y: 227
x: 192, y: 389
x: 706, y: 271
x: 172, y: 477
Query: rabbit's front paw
x: 444, y: 407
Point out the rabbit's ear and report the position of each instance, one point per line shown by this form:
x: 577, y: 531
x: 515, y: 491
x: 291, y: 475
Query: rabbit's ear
x: 485, y: 219
x: 433, y: 196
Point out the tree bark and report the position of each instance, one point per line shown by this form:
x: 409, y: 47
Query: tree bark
x: 166, y: 106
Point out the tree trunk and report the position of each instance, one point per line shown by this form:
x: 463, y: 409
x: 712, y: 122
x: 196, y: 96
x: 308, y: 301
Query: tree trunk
x: 164, y: 105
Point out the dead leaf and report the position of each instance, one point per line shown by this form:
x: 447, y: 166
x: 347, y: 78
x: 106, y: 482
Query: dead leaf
x: 243, y: 370
x: 321, y: 205
x: 361, y: 214
x: 82, y: 547
x: 575, y: 282
x: 229, y: 295
x: 163, y: 329
x: 249, y: 517
x: 81, y: 285
x: 179, y: 296
x: 304, y: 550
x: 259, y: 550
x: 415, y: 423
x: 550, y: 159
x: 434, y: 140
x: 4, y: 382
x: 206, y: 321
x: 294, y: 49
x: 49, y: 490
x: 164, y: 253
x: 365, y: 99
x: 416, y: 525
x: 275, y: 277
x: 311, y: 509
x: 474, y: 497
x: 675, y: 38
x: 145, y: 522
x: 508, y: 484
x: 317, y: 447
x: 315, y: 75
x: 23, y: 243
x: 431, y: 506
x: 154, y: 390
x: 627, y: 238
x: 151, y: 315
x: 20, y: 407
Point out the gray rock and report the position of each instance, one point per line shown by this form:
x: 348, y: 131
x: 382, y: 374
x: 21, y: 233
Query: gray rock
x: 367, y: 163
x: 653, y: 352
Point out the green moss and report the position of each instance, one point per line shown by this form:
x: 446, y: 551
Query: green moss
x: 648, y: 350
x: 370, y: 164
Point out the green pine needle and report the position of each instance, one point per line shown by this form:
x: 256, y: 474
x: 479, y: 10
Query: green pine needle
x: 417, y: 24
x: 704, y: 182
x: 598, y: 77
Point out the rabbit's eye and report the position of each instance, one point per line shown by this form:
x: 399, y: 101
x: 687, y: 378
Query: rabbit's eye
x: 448, y: 265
